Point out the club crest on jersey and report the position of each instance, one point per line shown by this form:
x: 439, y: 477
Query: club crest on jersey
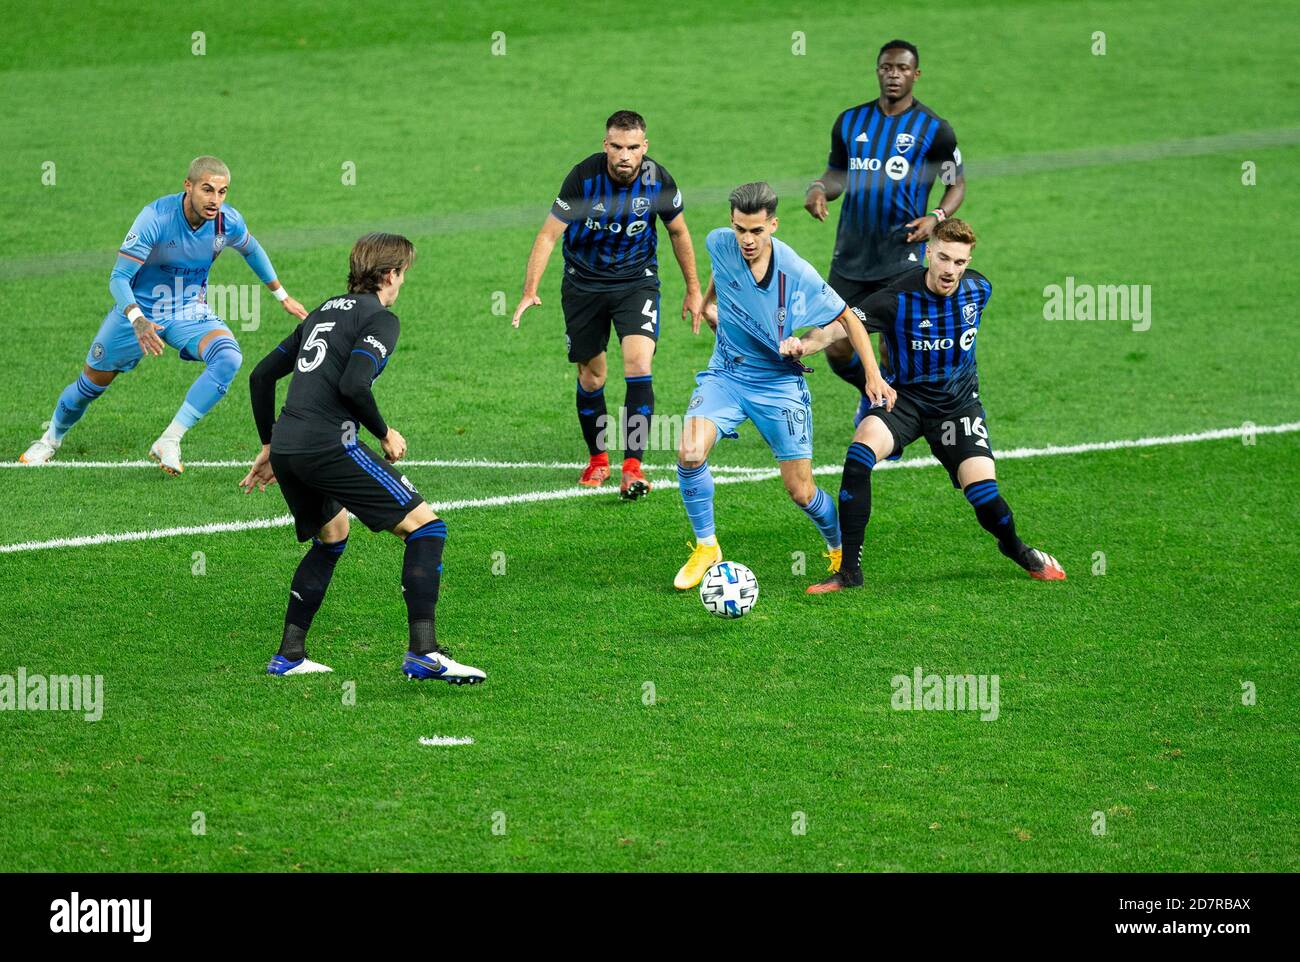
x: 218, y: 242
x: 903, y: 143
x: 640, y: 205
x: 970, y: 314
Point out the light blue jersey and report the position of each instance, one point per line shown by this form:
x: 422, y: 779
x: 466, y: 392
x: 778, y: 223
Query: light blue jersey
x: 748, y: 379
x: 163, y: 263
x: 754, y: 317
x: 163, y: 266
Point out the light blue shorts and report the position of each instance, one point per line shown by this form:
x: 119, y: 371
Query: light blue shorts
x: 116, y: 348
x: 781, y: 409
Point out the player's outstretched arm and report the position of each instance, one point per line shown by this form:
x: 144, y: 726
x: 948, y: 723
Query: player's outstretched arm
x: 924, y: 226
x: 708, y: 309
x: 684, y: 251
x: 877, y: 389
x: 822, y: 191
x: 261, y: 392
x: 355, y: 386
x: 545, y: 242
x: 131, y: 256
x: 260, y: 264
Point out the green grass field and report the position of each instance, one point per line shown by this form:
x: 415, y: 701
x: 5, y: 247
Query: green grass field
x: 1120, y: 692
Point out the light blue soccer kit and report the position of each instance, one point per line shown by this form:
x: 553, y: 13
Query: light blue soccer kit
x: 163, y: 267
x: 748, y: 379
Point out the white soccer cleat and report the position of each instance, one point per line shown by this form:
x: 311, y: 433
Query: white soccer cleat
x: 440, y: 665
x: 41, y: 451
x: 303, y: 666
x: 167, y: 452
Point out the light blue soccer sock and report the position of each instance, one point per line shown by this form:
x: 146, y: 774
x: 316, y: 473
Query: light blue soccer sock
x: 821, y: 509
x: 696, y: 486
x: 221, y: 364
x: 74, y: 400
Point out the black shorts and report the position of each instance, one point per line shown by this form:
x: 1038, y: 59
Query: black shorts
x: 952, y: 438
x: 319, y: 484
x: 588, y: 316
x: 853, y: 291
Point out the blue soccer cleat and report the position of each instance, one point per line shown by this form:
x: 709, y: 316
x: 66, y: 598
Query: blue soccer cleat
x: 303, y: 666
x: 440, y: 665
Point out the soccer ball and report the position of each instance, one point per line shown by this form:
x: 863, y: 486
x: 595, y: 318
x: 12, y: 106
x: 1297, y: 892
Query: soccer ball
x: 728, y: 590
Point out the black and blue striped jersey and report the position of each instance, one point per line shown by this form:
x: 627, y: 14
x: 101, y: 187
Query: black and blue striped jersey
x: 931, y: 337
x: 611, y: 238
x: 889, y: 165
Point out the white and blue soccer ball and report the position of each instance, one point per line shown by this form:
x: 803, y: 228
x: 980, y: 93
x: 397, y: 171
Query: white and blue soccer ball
x: 728, y: 590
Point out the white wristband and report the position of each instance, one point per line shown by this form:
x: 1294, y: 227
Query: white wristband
x: 280, y: 293
x: 135, y: 314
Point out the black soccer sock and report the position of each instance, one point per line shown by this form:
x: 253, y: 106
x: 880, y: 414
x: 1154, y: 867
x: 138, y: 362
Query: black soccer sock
x: 306, y: 592
x: 995, y: 517
x: 591, y: 416
x: 637, y: 411
x: 850, y: 370
x: 421, y: 576
x: 855, y: 504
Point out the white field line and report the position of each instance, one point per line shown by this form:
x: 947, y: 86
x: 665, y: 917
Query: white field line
x: 455, y: 463
x: 561, y: 494
x: 446, y: 740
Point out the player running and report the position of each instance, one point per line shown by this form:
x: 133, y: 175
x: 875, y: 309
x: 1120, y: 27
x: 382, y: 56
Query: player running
x: 324, y: 471
x: 159, y: 285
x: 607, y: 210
x: 884, y: 158
x: 930, y: 318
x: 763, y: 289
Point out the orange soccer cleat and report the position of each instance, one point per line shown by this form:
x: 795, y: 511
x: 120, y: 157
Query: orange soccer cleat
x: 597, y: 471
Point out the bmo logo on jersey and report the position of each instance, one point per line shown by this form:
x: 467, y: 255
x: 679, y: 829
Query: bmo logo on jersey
x: 339, y: 304
x: 614, y: 227
x: 897, y: 168
x: 945, y: 343
x: 864, y: 163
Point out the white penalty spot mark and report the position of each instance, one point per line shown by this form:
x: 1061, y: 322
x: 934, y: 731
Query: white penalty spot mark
x: 446, y: 740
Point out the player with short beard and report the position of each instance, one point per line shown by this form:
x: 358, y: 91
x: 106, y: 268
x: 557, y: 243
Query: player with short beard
x: 930, y: 318
x: 160, y: 284
x: 607, y: 210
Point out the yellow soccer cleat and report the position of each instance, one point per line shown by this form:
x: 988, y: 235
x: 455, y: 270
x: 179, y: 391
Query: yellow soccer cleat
x: 703, y: 557
x: 836, y: 555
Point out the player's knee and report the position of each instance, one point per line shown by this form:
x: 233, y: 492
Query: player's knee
x: 873, y: 433
x: 801, y: 491
x: 590, y: 381
x: 224, y: 359
x: 335, y: 530
x: 692, y: 452
x: 97, y: 377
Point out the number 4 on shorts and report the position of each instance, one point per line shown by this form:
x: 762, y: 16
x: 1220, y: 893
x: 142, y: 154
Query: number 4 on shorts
x: 650, y: 312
